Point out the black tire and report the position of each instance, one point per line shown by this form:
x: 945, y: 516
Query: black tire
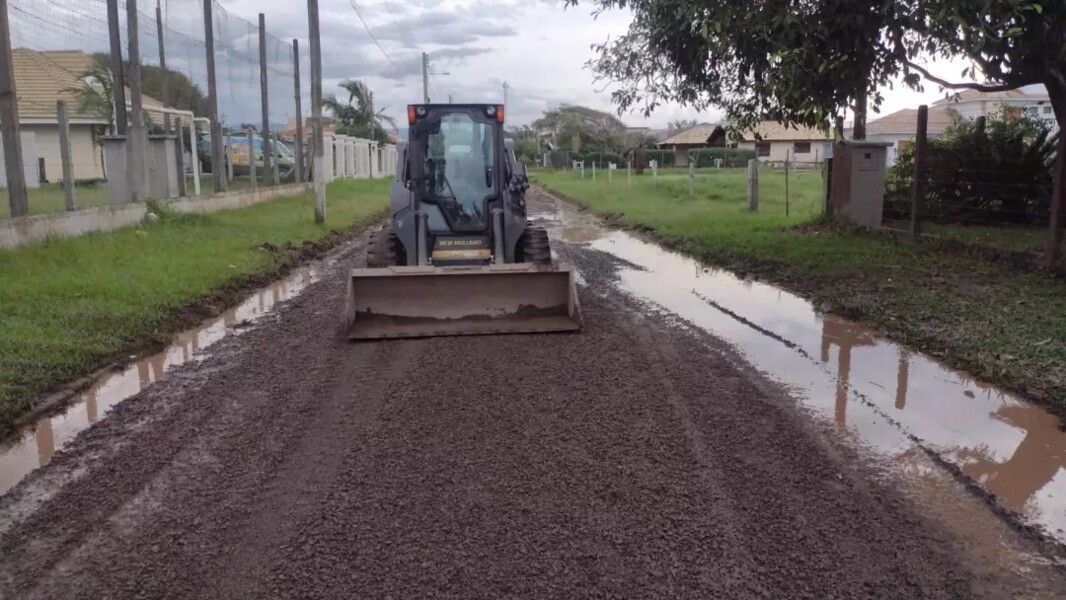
x: 535, y: 247
x: 384, y: 250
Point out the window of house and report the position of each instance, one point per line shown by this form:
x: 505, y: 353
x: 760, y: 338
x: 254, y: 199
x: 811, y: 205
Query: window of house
x: 1032, y: 110
x: 762, y: 148
x: 801, y: 148
x: 903, y: 145
x: 1048, y: 110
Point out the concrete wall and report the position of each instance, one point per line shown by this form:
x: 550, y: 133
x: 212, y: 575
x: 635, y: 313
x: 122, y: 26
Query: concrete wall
x: 87, y: 157
x: 25, y: 230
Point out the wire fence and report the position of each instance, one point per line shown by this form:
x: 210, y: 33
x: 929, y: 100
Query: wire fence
x: 57, y: 45
x: 773, y: 190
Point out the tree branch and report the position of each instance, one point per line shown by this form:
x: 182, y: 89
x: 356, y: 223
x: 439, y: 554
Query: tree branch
x: 981, y: 87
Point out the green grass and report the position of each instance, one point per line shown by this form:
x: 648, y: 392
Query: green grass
x: 71, y: 304
x: 49, y: 197
x: 1004, y: 238
x: 1001, y: 325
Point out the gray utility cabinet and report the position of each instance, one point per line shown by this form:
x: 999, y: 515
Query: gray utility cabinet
x: 857, y: 191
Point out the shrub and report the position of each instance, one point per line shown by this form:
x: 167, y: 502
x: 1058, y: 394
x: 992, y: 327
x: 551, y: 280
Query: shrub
x: 1000, y: 172
x: 665, y: 158
x: 602, y: 159
x: 731, y: 157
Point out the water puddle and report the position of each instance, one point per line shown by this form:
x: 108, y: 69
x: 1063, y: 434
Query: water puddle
x: 876, y: 392
x: 38, y: 443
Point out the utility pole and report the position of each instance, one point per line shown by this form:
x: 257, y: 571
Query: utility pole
x: 425, y: 78
x: 118, y: 78
x: 316, y: 111
x: 136, y: 145
x: 163, y: 64
x: 268, y: 155
x: 217, y: 158
x: 299, y: 145
x: 505, y: 89
x: 9, y: 123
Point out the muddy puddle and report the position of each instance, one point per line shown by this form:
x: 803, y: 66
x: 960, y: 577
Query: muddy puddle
x: 898, y: 403
x: 38, y: 443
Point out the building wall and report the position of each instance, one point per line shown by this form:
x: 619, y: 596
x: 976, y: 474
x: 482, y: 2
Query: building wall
x: 84, y: 154
x: 782, y: 151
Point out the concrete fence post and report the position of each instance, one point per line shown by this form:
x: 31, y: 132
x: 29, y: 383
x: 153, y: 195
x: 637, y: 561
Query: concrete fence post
x: 691, y: 177
x: 251, y: 158
x: 753, y: 185
x: 64, y: 154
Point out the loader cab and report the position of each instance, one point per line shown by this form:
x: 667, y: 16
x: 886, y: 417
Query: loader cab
x: 455, y: 159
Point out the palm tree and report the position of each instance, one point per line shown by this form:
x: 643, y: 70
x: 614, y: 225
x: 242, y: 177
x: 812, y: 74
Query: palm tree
x: 96, y: 93
x: 359, y: 112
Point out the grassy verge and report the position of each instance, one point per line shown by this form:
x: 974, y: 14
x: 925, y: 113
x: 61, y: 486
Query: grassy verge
x: 1002, y: 326
x: 50, y: 198
x: 70, y: 305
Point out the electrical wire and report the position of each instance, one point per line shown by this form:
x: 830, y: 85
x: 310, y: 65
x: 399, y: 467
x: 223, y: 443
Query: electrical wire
x: 370, y: 30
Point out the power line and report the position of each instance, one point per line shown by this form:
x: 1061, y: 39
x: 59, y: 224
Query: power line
x: 370, y: 30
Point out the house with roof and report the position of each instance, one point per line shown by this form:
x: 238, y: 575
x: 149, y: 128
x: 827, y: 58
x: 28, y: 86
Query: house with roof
x: 774, y: 142
x: 42, y: 78
x: 1033, y: 101
x: 703, y: 135
x: 900, y: 128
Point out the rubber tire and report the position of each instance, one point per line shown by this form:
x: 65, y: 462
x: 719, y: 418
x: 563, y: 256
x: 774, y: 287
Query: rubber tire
x: 384, y: 250
x: 535, y: 247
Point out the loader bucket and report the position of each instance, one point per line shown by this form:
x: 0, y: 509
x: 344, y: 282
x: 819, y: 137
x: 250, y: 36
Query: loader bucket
x: 398, y: 302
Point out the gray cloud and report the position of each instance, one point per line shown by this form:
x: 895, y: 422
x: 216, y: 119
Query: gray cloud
x: 444, y: 27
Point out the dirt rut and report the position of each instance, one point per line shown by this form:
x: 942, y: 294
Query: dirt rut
x: 634, y: 460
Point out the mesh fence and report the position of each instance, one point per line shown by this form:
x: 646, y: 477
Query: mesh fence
x: 57, y: 42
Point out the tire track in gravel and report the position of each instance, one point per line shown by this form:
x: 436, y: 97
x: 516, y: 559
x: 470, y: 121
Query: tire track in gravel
x: 338, y: 425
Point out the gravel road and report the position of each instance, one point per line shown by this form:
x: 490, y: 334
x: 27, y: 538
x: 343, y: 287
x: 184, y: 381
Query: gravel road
x: 637, y: 459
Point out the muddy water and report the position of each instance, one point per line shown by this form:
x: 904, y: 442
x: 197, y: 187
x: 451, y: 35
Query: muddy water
x: 885, y: 397
x: 38, y: 443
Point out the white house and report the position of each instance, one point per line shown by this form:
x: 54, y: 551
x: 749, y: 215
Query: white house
x: 1032, y: 100
x: 42, y: 78
x: 900, y: 128
x: 776, y: 143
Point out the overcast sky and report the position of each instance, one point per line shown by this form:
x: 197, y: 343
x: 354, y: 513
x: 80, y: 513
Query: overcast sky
x: 537, y: 46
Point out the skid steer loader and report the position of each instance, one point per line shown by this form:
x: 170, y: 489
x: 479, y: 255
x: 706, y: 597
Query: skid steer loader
x: 458, y: 256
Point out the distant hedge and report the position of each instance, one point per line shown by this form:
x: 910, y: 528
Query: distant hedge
x: 665, y: 158
x: 731, y: 157
x: 602, y: 159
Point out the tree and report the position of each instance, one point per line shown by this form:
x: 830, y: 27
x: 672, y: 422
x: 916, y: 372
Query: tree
x: 95, y: 95
x: 804, y: 62
x: 587, y: 124
x: 683, y: 124
x: 359, y: 113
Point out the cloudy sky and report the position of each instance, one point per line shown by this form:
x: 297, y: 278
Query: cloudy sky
x: 536, y: 46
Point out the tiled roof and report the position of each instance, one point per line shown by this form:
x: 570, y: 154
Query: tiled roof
x: 42, y: 78
x: 979, y: 96
x: 771, y: 131
x: 695, y: 135
x: 906, y: 121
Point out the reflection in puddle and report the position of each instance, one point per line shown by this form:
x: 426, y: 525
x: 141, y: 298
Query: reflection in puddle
x: 40, y: 442
x: 874, y: 390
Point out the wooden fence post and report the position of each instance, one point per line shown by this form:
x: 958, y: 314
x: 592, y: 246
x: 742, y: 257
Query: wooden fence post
x: 1058, y: 204
x: 691, y: 176
x: 920, y: 160
x: 753, y: 185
